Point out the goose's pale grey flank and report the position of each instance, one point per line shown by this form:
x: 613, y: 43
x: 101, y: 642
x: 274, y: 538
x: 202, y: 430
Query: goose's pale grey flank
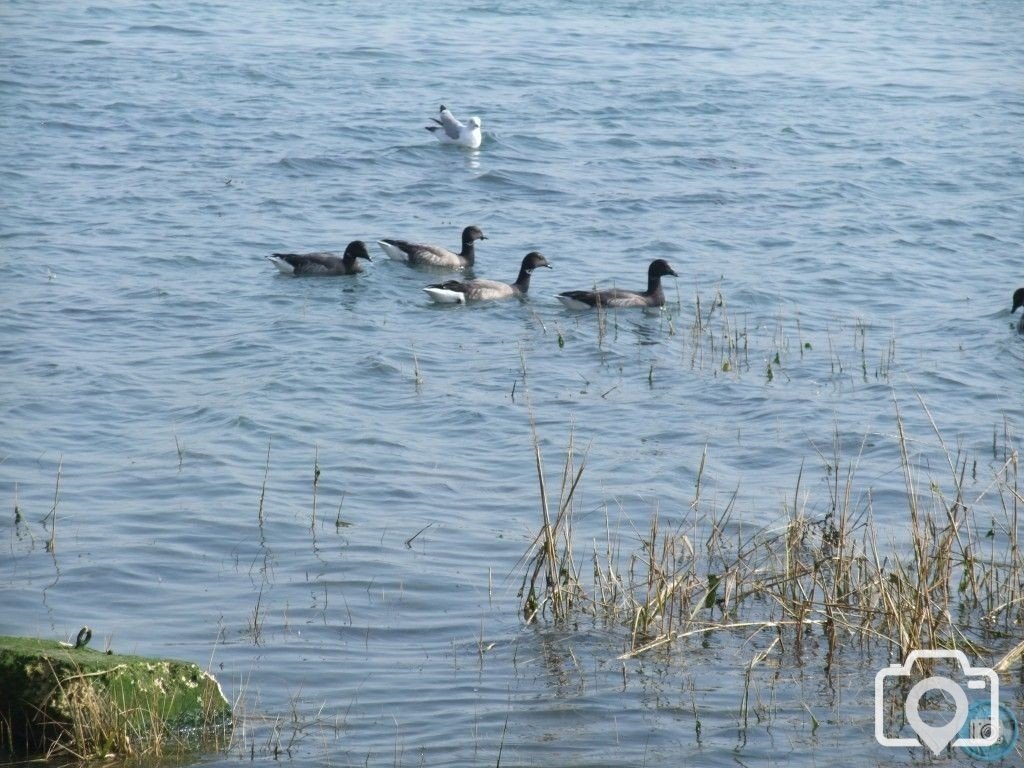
x: 459, y: 292
x: 1018, y: 301
x: 322, y: 264
x: 654, y: 296
x: 449, y: 130
x: 421, y: 255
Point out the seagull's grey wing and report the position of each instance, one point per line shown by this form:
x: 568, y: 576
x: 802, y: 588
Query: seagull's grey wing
x: 451, y: 126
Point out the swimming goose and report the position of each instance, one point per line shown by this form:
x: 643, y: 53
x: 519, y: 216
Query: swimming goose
x: 1018, y: 301
x: 451, y: 131
x: 322, y: 264
x: 654, y: 296
x: 418, y: 254
x: 459, y: 292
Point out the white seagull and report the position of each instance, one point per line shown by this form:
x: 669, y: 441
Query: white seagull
x: 450, y: 131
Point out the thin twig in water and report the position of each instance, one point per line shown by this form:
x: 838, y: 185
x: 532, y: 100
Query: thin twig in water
x: 51, y: 544
x: 263, y: 487
x: 501, y: 744
x: 316, y: 482
x: 411, y: 539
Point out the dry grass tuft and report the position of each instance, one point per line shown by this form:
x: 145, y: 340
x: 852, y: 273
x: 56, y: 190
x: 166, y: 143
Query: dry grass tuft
x: 99, y: 723
x: 956, y: 581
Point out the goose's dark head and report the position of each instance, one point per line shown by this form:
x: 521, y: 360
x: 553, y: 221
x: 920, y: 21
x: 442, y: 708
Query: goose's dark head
x: 357, y: 250
x: 659, y: 268
x: 1018, y: 299
x: 469, y: 234
x: 535, y: 259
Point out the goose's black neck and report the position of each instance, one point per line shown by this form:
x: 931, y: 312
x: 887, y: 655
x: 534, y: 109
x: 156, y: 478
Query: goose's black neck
x: 468, y: 253
x: 654, y: 286
x: 522, y: 283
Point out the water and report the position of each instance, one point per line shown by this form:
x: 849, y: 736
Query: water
x: 848, y: 177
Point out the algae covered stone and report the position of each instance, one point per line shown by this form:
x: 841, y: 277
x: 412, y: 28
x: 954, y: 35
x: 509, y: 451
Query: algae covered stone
x: 53, y: 695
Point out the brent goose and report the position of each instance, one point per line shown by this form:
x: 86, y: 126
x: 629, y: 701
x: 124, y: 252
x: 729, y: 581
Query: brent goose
x: 450, y: 131
x: 434, y: 255
x: 1018, y: 301
x: 324, y: 263
x: 459, y: 292
x: 654, y: 296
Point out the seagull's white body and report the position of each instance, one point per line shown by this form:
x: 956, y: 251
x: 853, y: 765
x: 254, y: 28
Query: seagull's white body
x: 449, y: 130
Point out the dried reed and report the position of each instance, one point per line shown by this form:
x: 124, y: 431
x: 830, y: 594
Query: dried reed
x: 831, y: 572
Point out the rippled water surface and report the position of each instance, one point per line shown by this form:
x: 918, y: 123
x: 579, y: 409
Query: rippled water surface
x: 840, y: 187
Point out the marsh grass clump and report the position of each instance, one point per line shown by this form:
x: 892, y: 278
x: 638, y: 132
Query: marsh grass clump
x: 720, y: 342
x: 717, y: 341
x: 957, y: 580
x: 259, y: 734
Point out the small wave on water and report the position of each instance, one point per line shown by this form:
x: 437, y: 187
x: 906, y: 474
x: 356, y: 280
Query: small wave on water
x: 166, y: 29
x: 315, y: 164
x: 527, y: 182
x: 75, y: 128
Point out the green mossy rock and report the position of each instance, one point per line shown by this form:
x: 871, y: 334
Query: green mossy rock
x: 90, y: 702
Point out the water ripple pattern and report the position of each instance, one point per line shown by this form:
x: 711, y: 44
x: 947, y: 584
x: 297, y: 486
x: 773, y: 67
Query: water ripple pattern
x: 839, y: 185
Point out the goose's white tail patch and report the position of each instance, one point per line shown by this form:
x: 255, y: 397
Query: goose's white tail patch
x: 393, y: 251
x: 283, y: 266
x: 572, y: 303
x: 444, y: 296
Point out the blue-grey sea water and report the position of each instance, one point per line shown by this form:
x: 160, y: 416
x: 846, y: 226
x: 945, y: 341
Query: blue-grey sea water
x: 839, y: 185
